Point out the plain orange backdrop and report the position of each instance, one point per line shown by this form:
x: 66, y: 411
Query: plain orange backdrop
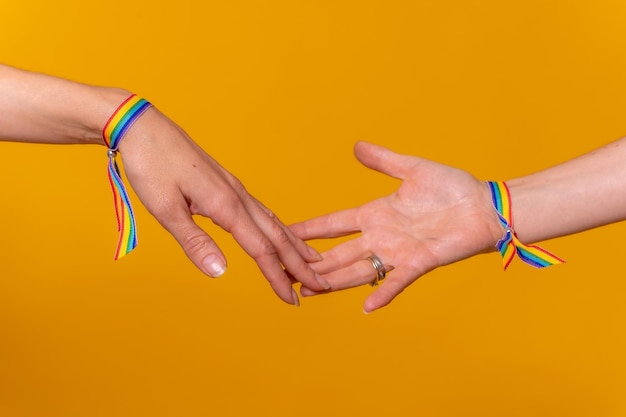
x: 278, y: 92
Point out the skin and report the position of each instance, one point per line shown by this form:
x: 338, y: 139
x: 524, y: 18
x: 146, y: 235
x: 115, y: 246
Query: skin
x: 172, y: 176
x: 440, y: 215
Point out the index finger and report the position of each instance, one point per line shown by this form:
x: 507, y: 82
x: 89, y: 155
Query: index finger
x: 337, y: 224
x: 285, y: 247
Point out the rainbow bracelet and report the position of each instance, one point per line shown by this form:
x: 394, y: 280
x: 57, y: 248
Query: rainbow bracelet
x: 113, y: 132
x: 510, y: 245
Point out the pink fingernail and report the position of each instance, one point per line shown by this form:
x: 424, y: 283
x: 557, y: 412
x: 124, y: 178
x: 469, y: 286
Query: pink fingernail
x: 296, y: 300
x: 322, y: 282
x: 315, y: 254
x: 214, y: 266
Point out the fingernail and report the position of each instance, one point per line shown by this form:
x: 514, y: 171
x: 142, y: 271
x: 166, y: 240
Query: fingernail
x: 365, y: 312
x: 322, y: 282
x: 315, y: 254
x: 214, y: 266
x: 296, y: 300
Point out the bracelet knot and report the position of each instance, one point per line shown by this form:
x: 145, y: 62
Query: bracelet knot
x: 113, y: 132
x: 510, y: 245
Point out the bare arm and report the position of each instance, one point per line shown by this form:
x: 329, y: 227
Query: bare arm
x: 577, y: 195
x: 441, y: 215
x: 174, y: 178
x: 40, y: 108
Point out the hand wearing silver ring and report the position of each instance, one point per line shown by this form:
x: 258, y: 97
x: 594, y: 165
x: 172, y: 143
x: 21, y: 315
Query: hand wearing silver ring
x: 380, y: 269
x: 439, y: 215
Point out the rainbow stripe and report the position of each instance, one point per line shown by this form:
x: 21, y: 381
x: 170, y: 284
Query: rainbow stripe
x: 122, y: 119
x: 510, y: 245
x: 113, y: 133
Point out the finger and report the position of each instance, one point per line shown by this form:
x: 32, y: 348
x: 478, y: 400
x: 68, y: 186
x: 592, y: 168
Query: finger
x: 228, y: 211
x: 339, y: 223
x: 278, y: 278
x: 285, y: 250
x: 306, y: 292
x: 273, y: 244
x: 342, y: 256
x: 199, y: 247
x: 307, y: 252
x: 258, y: 245
x: 384, y: 160
x: 354, y: 275
x: 390, y: 288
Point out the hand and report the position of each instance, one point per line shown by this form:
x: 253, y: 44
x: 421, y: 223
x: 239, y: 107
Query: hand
x: 175, y: 179
x: 438, y: 216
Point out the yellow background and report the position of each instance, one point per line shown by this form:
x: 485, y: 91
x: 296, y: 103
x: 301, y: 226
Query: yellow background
x: 278, y: 92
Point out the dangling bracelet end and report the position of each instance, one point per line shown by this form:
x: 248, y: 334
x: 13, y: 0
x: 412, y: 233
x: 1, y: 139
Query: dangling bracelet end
x: 113, y: 132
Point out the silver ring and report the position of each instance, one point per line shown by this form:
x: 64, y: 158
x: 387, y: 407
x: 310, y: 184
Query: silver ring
x: 380, y: 269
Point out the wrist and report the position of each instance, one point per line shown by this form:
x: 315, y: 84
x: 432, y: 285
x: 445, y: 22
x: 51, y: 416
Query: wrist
x: 494, y: 227
x: 103, y: 103
x: 528, y: 199
x: 510, y: 245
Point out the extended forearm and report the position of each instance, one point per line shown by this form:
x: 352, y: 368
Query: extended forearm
x: 40, y: 108
x: 580, y: 194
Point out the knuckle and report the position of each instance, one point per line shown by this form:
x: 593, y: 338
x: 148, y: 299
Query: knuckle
x: 164, y: 209
x: 280, y: 237
x: 224, y: 199
x: 261, y: 248
x: 270, y: 214
x: 226, y: 210
x: 196, y: 243
x: 266, y: 247
x: 235, y: 182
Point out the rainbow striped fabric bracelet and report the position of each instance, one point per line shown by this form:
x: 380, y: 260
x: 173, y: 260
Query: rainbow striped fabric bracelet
x: 510, y: 245
x: 113, y: 132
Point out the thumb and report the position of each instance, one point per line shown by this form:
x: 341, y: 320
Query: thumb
x: 384, y: 160
x: 199, y: 247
